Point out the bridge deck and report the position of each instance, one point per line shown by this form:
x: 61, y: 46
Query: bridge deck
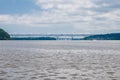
x: 57, y: 36
x: 50, y: 34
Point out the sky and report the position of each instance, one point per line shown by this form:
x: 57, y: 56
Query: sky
x: 60, y: 16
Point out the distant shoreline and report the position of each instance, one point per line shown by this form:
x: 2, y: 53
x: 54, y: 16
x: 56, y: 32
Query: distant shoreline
x: 111, y: 36
x: 33, y: 38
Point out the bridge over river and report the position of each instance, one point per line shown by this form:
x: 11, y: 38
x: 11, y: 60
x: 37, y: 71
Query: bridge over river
x: 57, y: 36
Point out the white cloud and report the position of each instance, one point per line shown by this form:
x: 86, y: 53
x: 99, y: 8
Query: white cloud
x: 68, y: 4
x: 112, y: 15
x: 82, y: 12
x: 6, y: 18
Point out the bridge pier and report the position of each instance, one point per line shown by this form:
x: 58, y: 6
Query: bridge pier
x: 57, y: 37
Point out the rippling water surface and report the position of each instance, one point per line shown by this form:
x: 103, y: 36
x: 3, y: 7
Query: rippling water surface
x: 59, y: 60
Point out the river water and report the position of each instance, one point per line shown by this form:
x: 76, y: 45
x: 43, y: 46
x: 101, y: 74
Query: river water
x: 59, y: 60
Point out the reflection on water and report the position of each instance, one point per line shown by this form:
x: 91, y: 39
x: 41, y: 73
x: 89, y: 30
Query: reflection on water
x: 59, y: 60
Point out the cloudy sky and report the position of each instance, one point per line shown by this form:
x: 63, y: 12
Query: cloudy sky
x: 60, y: 16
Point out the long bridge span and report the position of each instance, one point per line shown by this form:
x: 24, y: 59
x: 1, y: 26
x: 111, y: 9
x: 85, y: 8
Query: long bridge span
x: 57, y: 36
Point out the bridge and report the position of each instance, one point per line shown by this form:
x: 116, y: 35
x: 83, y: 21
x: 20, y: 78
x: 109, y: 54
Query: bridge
x: 57, y: 36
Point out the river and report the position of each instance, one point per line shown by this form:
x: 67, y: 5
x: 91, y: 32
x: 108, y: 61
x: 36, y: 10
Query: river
x: 59, y: 60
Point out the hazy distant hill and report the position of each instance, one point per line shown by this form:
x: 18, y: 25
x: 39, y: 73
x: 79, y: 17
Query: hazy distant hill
x: 34, y: 38
x: 112, y: 36
x: 4, y: 35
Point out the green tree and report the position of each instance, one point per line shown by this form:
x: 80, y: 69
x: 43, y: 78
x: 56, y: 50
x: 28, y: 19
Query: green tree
x: 4, y: 35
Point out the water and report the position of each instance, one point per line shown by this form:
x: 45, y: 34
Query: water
x: 59, y: 60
